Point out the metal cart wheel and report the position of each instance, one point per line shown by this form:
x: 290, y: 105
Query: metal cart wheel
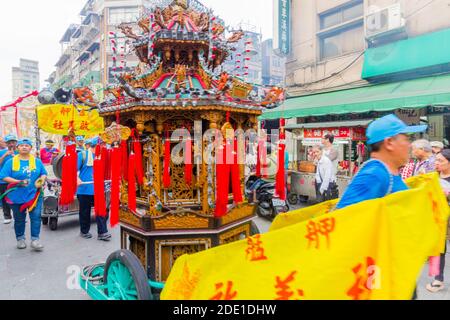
x: 53, y: 224
x: 45, y: 221
x: 125, y: 278
x: 293, y: 199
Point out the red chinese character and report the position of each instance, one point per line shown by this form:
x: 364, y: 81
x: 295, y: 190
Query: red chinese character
x: 361, y: 289
x: 255, y: 251
x: 284, y: 290
x: 84, y: 125
x: 324, y: 227
x: 82, y: 113
x: 229, y: 293
x: 65, y: 111
x: 58, y: 125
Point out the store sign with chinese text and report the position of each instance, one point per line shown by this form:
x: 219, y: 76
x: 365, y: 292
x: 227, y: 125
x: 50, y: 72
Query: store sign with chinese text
x: 282, y: 38
x: 357, y: 133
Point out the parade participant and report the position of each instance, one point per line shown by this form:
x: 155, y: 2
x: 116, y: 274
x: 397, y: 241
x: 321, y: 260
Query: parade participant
x: 324, y: 175
x: 422, y: 151
x: 85, y: 194
x: 437, y: 147
x: 26, y: 175
x: 443, y: 167
x: 49, y: 152
x: 390, y: 145
x: 5, y: 155
x: 80, y: 143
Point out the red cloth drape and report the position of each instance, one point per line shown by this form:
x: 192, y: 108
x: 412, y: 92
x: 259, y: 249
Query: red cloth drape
x: 137, y: 147
x: 69, y: 175
x: 188, y: 162
x: 124, y: 151
x: 166, y: 175
x: 99, y: 182
x: 116, y: 158
x: 132, y: 183
x: 222, y: 182
x: 236, y: 176
x: 280, y: 183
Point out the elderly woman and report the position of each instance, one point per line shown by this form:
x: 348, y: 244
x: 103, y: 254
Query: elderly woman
x: 443, y: 167
x: 422, y: 151
x: 25, y: 175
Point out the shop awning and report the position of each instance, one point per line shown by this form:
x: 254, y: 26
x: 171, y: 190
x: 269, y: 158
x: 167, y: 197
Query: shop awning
x: 417, y: 93
x: 347, y: 124
x: 410, y: 55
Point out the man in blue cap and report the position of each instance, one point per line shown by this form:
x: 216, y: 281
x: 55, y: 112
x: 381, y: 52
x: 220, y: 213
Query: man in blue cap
x: 389, y: 141
x: 85, y: 194
x: 5, y: 155
x: 27, y: 175
x: 80, y: 143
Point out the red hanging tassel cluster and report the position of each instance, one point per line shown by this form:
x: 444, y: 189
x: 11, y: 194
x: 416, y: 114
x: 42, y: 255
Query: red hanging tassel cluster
x: 261, y: 162
x: 132, y: 183
x: 116, y: 158
x: 137, y: 148
x: 166, y: 175
x: 222, y: 182
x: 188, y: 162
x: 280, y: 184
x: 236, y: 176
x: 69, y: 176
x: 124, y: 151
x: 99, y: 182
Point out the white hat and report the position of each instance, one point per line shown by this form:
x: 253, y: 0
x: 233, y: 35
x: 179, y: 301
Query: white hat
x: 437, y: 144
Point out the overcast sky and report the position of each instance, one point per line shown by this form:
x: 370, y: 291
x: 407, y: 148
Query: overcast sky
x: 31, y: 29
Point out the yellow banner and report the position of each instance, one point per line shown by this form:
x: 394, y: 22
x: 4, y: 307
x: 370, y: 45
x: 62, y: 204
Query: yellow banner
x: 57, y: 119
x: 372, y: 250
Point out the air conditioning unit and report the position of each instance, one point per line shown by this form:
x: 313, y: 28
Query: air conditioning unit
x: 384, y: 22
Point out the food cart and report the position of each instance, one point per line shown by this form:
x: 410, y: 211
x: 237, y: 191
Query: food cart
x: 350, y: 143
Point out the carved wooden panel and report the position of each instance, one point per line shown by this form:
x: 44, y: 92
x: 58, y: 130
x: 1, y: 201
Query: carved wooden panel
x: 240, y: 212
x: 236, y: 234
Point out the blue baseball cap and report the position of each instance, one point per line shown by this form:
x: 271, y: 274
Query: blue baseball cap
x: 10, y: 138
x: 80, y: 138
x: 25, y: 141
x: 94, y: 141
x: 388, y: 127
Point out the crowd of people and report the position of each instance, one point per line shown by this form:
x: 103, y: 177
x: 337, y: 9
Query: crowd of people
x: 23, y: 176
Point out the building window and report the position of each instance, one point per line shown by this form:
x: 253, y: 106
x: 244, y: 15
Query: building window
x: 342, y: 14
x: 342, y: 36
x: 119, y: 15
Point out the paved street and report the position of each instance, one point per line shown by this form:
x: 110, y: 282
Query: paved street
x: 47, y: 275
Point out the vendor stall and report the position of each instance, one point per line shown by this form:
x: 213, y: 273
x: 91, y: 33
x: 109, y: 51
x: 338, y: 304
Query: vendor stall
x: 349, y: 142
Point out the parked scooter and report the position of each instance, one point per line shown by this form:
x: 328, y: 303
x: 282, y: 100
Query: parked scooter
x: 269, y: 206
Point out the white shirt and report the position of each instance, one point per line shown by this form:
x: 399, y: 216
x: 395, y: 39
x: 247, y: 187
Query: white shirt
x: 333, y: 155
x: 324, y: 173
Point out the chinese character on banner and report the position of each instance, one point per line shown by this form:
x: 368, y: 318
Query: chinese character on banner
x: 84, y: 126
x: 284, y: 290
x: 229, y: 294
x: 65, y: 111
x: 318, y: 133
x: 82, y: 113
x: 323, y: 228
x: 255, y: 251
x: 366, y: 279
x: 58, y: 125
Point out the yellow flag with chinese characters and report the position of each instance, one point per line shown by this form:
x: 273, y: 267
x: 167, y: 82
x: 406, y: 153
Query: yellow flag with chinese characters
x: 57, y: 119
x: 372, y: 250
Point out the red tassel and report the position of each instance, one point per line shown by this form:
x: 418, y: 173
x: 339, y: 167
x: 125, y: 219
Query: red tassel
x: 280, y: 184
x: 258, y: 161
x: 124, y: 151
x: 236, y: 176
x: 132, y: 183
x: 106, y: 155
x: 99, y: 183
x: 222, y: 183
x: 115, y: 186
x: 188, y: 162
x: 69, y: 175
x: 137, y: 147
x: 166, y: 176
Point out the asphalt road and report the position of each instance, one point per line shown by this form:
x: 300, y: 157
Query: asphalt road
x: 52, y: 274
